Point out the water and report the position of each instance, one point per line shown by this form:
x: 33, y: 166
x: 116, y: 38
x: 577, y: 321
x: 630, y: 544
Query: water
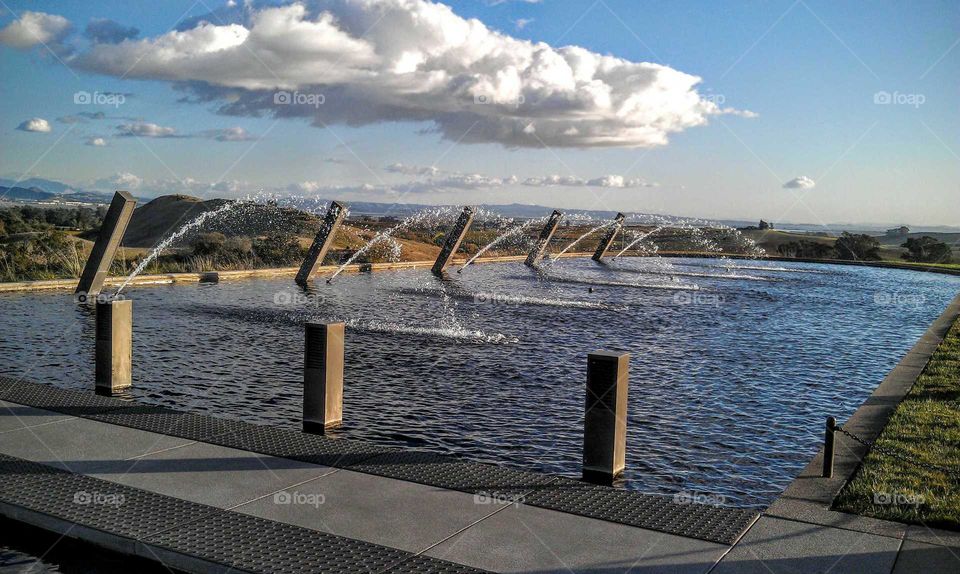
x: 586, y: 234
x: 425, y: 216
x: 640, y: 237
x: 729, y: 387
x: 170, y: 239
x: 501, y: 238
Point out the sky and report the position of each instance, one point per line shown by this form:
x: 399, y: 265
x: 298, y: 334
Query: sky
x: 809, y: 111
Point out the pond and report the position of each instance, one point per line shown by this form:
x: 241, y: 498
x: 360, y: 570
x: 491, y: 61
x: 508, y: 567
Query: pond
x: 734, y: 364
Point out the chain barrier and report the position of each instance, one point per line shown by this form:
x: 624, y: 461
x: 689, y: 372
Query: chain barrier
x: 873, y: 447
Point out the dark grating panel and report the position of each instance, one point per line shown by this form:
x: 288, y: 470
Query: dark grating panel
x: 101, y: 505
x: 297, y: 445
x: 51, y: 398
x: 16, y: 472
x: 253, y: 544
x: 451, y: 473
x: 168, y: 421
x: 661, y: 513
x: 6, y: 383
x: 427, y: 565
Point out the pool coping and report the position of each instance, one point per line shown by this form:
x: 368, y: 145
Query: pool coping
x: 809, y: 498
x: 271, y: 272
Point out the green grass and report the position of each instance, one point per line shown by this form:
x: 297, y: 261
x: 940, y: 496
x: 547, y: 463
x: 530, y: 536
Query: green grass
x: 926, y: 427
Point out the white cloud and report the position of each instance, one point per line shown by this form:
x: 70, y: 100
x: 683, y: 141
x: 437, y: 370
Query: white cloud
x: 415, y: 60
x: 33, y: 28
x: 522, y: 23
x: 38, y: 125
x: 96, y: 142
x: 236, y: 134
x: 617, y: 181
x: 120, y: 180
x: 145, y: 130
x: 411, y: 169
x: 802, y: 182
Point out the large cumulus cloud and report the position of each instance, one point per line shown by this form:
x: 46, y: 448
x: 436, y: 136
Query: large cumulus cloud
x: 412, y: 60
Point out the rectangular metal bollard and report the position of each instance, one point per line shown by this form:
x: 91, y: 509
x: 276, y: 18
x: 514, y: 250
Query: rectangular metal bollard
x: 322, y: 376
x: 545, y: 235
x: 605, y: 418
x: 321, y: 242
x: 607, y: 239
x: 453, y: 240
x: 114, y: 346
x: 108, y: 241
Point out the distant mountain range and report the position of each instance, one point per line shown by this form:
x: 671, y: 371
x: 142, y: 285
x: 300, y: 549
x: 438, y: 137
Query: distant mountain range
x: 45, y: 190
x: 37, y: 189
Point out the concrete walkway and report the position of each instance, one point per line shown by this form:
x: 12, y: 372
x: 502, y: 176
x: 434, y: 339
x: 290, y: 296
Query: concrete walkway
x: 432, y: 529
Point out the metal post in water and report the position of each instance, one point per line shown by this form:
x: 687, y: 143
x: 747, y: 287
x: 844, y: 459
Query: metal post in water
x: 101, y: 256
x: 828, y: 444
x: 323, y: 377
x: 114, y: 346
x: 545, y: 235
x: 452, y: 242
x: 322, y: 242
x: 605, y: 419
x: 607, y: 239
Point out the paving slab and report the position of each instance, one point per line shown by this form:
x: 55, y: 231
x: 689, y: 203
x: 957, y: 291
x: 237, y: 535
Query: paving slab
x: 210, y: 474
x: 381, y: 510
x: 82, y: 445
x: 927, y: 558
x: 777, y: 546
x: 527, y: 539
x: 935, y: 536
x: 15, y: 417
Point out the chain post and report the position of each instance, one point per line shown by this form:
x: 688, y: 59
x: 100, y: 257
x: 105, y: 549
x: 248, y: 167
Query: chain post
x: 828, y: 442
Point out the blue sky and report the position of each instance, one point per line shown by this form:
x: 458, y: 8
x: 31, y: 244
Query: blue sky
x: 797, y: 89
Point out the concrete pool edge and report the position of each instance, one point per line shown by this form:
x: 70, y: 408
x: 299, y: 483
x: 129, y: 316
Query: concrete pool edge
x: 809, y: 498
x: 272, y: 272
